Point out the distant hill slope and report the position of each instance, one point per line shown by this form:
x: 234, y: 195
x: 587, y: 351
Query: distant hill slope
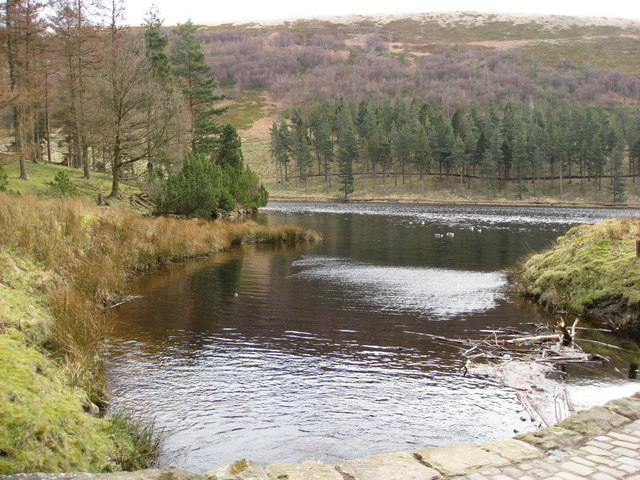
x: 450, y: 57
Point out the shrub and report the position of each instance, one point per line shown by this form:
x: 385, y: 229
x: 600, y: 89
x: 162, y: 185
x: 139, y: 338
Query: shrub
x: 196, y: 190
x: 203, y: 186
x: 4, y: 182
x: 62, y: 185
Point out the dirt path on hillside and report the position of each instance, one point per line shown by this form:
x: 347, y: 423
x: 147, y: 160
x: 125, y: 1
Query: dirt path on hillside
x: 271, y: 110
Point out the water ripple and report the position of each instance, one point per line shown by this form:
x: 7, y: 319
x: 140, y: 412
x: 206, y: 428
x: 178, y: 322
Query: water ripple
x: 436, y: 292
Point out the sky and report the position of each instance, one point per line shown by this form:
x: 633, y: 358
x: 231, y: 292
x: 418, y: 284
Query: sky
x: 225, y: 11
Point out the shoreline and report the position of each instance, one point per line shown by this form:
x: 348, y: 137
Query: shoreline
x: 591, y: 271
x: 61, y: 263
x: 601, y: 442
x: 278, y: 197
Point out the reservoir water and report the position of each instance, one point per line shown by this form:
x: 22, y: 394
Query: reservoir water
x: 318, y: 351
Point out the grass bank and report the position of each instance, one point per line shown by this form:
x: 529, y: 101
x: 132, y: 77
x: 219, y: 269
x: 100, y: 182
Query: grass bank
x: 592, y: 270
x: 61, y: 262
x: 42, y: 175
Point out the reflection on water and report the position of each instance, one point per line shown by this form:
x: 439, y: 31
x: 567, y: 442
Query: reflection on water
x: 317, y: 352
x: 426, y: 292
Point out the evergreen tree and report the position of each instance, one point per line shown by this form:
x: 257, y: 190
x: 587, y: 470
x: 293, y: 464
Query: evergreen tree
x: 155, y: 45
x: 520, y: 162
x: 301, y: 147
x: 459, y: 157
x: 442, y: 141
x: 229, y: 151
x: 280, y: 147
x: 617, y: 188
x: 322, y: 143
x: 634, y: 159
x: 379, y: 151
x: 348, y: 149
x: 193, y: 76
x: 490, y: 160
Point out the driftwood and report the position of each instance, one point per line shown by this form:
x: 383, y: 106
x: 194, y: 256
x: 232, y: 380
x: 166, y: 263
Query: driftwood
x: 523, y: 361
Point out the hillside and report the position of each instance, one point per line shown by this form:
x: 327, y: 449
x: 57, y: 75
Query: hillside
x: 446, y: 59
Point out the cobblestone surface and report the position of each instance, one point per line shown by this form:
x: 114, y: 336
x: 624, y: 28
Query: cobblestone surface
x: 614, y: 455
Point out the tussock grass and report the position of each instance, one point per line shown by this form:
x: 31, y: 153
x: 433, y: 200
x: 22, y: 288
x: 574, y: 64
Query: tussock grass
x: 61, y: 262
x: 91, y: 253
x: 591, y: 269
x: 145, y: 440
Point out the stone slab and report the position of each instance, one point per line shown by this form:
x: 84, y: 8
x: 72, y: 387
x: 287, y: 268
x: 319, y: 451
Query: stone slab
x: 553, y: 438
x: 514, y: 451
x: 593, y: 422
x: 459, y: 459
x: 388, y: 466
x: 239, y: 470
x: 628, y: 407
x: 303, y: 471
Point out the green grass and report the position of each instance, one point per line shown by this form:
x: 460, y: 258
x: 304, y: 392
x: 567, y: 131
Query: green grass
x: 368, y: 188
x: 591, y: 268
x: 44, y: 424
x: 246, y: 109
x: 257, y: 157
x: 42, y: 174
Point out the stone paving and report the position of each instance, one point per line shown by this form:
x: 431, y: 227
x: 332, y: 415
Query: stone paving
x: 610, y: 456
x: 602, y: 443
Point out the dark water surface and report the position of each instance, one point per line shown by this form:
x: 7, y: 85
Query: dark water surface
x: 317, y: 352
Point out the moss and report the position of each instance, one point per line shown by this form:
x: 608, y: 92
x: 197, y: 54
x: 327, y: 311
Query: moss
x: 238, y: 467
x: 44, y: 426
x: 43, y: 421
x: 592, y: 269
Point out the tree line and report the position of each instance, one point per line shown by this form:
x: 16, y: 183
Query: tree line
x: 516, y: 145
x: 134, y: 102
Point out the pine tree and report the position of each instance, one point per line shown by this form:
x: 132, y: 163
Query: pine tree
x: 347, y: 151
x: 379, y: 151
x: 301, y: 148
x: 459, y: 157
x: 321, y: 141
x: 520, y: 162
x: 491, y: 159
x: 193, y: 76
x: 280, y: 147
x: 617, y: 188
x: 155, y: 45
x: 229, y: 151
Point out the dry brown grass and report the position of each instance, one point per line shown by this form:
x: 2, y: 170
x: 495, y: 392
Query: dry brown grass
x: 90, y: 253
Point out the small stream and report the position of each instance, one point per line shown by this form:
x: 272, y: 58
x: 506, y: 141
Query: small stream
x: 318, y: 352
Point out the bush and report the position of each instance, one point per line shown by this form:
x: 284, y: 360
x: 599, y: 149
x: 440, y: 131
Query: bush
x: 202, y: 187
x: 196, y: 190
x: 61, y: 185
x: 4, y: 181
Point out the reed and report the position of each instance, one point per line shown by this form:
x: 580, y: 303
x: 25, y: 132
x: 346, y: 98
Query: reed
x: 62, y: 261
x: 90, y: 253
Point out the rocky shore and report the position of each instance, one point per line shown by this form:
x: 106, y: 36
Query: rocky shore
x: 601, y: 443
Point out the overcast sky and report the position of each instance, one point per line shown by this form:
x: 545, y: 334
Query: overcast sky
x: 223, y: 11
